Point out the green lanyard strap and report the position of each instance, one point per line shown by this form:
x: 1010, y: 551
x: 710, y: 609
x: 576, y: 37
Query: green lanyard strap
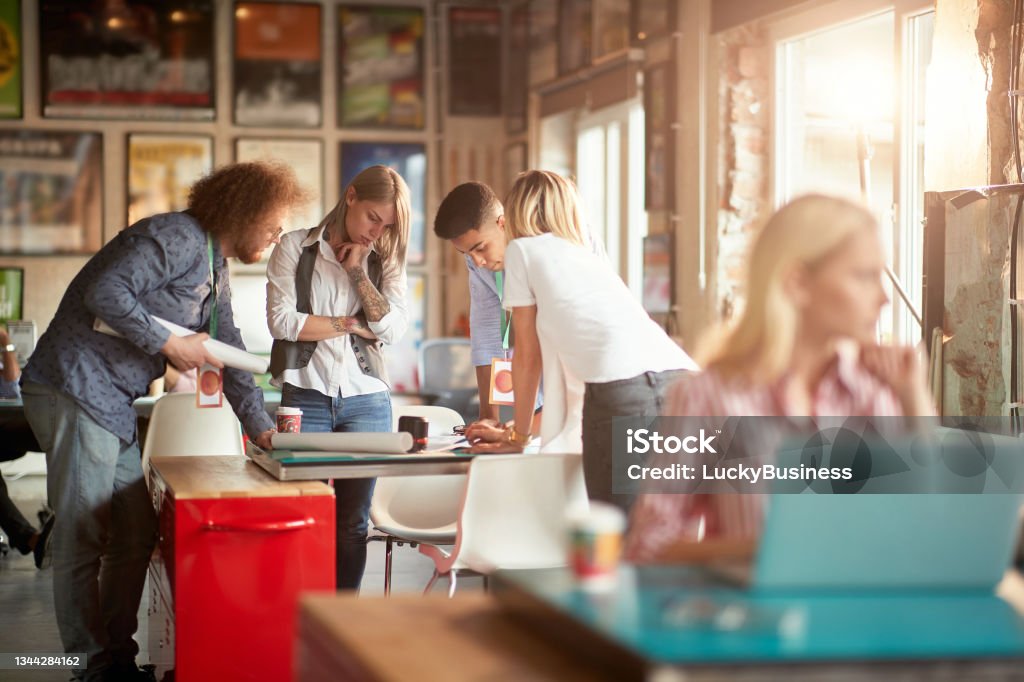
x: 505, y: 317
x: 213, y: 287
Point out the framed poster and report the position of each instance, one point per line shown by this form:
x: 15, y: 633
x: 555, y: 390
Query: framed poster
x: 51, y: 192
x: 659, y: 160
x: 12, y: 293
x: 474, y: 61
x: 162, y: 169
x: 380, y: 67
x: 277, y: 64
x: 657, y: 283
x: 147, y: 59
x: 410, y: 160
x: 305, y: 158
x: 403, y: 357
x: 611, y: 27
x: 649, y: 19
x: 10, y: 60
x: 518, y: 69
x: 575, y: 35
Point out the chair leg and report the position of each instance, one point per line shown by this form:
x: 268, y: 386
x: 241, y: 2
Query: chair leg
x: 452, y: 579
x: 387, y: 566
x: 433, y: 579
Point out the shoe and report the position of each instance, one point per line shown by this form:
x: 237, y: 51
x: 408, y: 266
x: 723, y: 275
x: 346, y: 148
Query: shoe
x: 41, y: 552
x: 44, y: 515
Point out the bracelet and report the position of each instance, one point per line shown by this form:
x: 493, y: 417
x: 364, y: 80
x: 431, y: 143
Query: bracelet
x: 513, y: 437
x: 10, y: 348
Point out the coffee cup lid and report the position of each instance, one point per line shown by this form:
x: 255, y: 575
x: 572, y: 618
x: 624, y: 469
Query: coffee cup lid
x: 289, y: 411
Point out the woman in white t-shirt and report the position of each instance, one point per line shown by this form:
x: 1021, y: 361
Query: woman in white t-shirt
x: 573, y: 317
x: 335, y: 296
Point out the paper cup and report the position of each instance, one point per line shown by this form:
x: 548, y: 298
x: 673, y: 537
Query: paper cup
x: 595, y: 544
x: 289, y: 420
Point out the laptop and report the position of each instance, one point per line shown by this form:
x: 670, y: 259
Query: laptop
x: 894, y: 541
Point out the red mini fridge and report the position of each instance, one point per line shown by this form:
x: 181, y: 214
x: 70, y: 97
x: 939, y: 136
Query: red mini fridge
x: 236, y: 549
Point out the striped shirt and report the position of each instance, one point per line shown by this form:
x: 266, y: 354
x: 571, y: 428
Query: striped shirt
x: 846, y: 389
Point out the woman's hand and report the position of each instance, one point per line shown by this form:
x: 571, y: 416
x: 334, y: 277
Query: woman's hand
x: 498, y: 448
x: 485, y: 431
x: 351, y: 255
x: 901, y: 369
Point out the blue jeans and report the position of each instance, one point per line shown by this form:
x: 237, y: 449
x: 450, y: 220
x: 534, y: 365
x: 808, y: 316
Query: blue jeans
x: 104, y: 532
x: 322, y: 414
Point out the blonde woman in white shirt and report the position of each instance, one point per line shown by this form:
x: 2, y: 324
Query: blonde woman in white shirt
x: 335, y: 296
x: 574, y: 319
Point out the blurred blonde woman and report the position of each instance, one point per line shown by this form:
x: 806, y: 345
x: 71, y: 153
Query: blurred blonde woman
x: 573, y: 317
x: 335, y: 296
x: 804, y: 345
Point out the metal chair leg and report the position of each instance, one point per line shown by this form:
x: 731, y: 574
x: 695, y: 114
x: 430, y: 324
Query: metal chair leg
x: 433, y: 579
x: 387, y: 566
x: 452, y: 579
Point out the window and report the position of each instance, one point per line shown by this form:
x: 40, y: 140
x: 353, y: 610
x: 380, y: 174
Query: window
x: 850, y: 121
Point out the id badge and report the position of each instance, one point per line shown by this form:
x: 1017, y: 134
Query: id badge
x: 210, y: 387
x: 501, y: 382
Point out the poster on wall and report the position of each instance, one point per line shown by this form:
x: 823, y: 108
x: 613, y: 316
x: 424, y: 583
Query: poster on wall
x: 277, y: 64
x: 380, y: 67
x: 305, y: 157
x: 474, y: 61
x: 12, y: 293
x: 410, y: 160
x: 659, y: 95
x: 574, y: 35
x: 649, y: 19
x: 51, y: 192
x: 146, y: 59
x: 10, y: 60
x: 403, y: 357
x: 161, y: 169
x: 657, y: 293
x: 611, y: 27
x: 518, y: 69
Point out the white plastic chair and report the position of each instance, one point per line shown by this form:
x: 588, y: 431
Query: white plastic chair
x: 417, y: 509
x: 178, y: 428
x: 447, y: 373
x: 514, y: 516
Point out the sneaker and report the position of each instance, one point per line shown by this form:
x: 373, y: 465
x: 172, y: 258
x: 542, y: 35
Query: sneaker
x: 42, y: 548
x: 44, y: 515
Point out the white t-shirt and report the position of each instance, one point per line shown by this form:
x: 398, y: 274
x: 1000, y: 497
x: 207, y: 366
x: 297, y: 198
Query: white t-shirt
x: 590, y: 326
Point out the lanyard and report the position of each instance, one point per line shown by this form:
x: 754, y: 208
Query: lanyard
x: 504, y: 314
x: 213, y: 287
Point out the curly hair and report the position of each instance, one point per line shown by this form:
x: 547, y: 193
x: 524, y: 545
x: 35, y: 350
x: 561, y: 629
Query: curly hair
x: 233, y: 198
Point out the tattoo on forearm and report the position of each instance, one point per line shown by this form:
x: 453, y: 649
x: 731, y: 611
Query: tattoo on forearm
x: 336, y: 323
x: 375, y: 306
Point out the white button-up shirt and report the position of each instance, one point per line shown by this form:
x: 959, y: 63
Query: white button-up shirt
x: 333, y: 369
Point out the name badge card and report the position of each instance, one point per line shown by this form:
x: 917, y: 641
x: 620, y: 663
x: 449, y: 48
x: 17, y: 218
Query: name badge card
x: 210, y: 387
x: 501, y: 382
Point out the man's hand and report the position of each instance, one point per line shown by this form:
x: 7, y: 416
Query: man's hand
x: 263, y: 441
x: 4, y: 336
x: 188, y: 352
x: 351, y: 255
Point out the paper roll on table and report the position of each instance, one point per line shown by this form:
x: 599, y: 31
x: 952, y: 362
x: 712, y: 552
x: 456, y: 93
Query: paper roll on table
x: 383, y: 443
x: 229, y: 355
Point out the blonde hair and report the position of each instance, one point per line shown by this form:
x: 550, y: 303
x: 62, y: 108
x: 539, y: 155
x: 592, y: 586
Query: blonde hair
x: 803, y: 233
x: 542, y: 202
x: 379, y: 184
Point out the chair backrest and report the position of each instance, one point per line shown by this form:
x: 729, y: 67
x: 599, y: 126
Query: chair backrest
x: 447, y: 372
x: 178, y: 427
x: 420, y: 501
x: 515, y: 511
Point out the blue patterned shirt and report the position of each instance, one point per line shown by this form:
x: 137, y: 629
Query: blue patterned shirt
x: 158, y: 266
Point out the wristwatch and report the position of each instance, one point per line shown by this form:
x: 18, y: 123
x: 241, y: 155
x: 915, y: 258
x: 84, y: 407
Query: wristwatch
x: 10, y: 348
x: 513, y: 437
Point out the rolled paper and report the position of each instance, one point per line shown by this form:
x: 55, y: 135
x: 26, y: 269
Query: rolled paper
x: 229, y: 355
x: 382, y: 443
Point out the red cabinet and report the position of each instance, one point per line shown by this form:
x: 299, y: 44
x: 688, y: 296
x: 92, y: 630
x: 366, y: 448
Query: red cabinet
x: 236, y: 549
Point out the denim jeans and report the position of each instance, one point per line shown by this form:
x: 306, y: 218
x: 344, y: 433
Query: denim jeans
x: 320, y: 414
x: 638, y: 396
x: 104, y: 532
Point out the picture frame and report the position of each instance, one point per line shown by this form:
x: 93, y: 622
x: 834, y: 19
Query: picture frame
x: 611, y: 27
x: 11, y: 60
x: 276, y: 80
x: 141, y: 59
x: 657, y: 274
x: 659, y: 152
x: 575, y: 35
x: 12, y: 293
x: 474, y: 61
x: 649, y: 20
x: 402, y: 358
x: 381, y: 81
x: 161, y: 170
x: 410, y: 160
x: 51, y: 192
x: 518, y: 69
x: 305, y: 156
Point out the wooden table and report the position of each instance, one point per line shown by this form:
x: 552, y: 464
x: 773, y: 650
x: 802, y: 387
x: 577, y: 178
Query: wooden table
x: 411, y: 637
